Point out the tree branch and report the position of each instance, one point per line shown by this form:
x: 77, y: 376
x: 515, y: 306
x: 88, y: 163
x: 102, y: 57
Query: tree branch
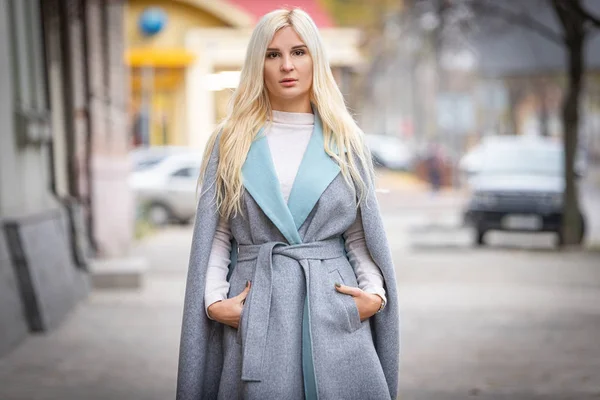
x: 560, y: 9
x: 586, y: 15
x: 573, y: 24
x: 523, y: 19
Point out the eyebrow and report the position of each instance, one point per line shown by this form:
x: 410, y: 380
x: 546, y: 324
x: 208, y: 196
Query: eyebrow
x: 300, y: 46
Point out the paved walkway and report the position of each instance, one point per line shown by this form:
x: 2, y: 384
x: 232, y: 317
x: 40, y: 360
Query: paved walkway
x: 498, y: 324
x: 115, y: 345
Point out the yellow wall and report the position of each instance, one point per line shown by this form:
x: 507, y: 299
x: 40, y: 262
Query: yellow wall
x: 180, y: 117
x: 170, y: 98
x: 180, y: 18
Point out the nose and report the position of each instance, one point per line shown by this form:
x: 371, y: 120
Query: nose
x: 287, y: 64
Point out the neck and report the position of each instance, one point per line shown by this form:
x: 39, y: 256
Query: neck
x: 291, y: 105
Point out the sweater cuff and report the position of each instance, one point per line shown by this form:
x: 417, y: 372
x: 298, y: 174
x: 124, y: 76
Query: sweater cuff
x: 378, y: 291
x: 210, y: 299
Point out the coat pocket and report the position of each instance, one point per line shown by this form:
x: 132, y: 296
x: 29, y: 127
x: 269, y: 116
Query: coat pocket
x: 353, y: 317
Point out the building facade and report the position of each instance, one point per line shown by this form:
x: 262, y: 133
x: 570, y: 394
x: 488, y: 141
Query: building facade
x: 183, y: 75
x: 63, y: 156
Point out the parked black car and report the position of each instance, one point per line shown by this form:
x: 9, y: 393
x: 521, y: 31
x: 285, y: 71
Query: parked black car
x: 519, y: 187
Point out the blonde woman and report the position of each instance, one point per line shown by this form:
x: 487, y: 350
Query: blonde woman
x: 291, y: 292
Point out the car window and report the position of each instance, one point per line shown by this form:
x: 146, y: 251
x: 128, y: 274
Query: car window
x: 147, y: 163
x: 187, y: 172
x: 542, y: 160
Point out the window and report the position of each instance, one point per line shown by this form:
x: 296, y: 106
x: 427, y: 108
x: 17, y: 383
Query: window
x: 30, y: 84
x: 187, y: 172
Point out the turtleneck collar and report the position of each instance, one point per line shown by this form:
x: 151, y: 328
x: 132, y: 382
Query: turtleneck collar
x: 293, y: 118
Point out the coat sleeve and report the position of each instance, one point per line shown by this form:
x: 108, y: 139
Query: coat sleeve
x: 386, y: 324
x: 200, y: 350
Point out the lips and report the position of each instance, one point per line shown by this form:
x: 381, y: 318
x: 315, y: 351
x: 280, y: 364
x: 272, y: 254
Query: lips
x: 288, y: 80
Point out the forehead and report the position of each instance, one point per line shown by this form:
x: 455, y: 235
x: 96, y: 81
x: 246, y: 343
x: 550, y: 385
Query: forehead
x: 285, y: 37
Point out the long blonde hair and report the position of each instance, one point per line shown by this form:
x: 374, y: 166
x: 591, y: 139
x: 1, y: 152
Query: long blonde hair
x: 249, y: 109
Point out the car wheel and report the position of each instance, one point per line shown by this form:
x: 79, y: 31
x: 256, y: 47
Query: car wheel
x: 480, y: 237
x: 185, y: 221
x: 159, y: 214
x: 377, y: 162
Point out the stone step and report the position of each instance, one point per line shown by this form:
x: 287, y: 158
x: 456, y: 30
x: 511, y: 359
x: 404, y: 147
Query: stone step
x: 118, y: 273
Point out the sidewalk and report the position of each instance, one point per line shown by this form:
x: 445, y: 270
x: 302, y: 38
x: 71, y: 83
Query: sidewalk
x: 501, y: 308
x: 115, y: 345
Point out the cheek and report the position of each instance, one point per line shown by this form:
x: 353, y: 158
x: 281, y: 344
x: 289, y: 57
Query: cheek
x: 308, y: 79
x: 308, y: 72
x: 268, y: 75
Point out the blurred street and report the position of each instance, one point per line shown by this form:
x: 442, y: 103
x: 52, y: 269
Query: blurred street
x: 421, y: 220
x: 108, y: 106
x: 502, y: 322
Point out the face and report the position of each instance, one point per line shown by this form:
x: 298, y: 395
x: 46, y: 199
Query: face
x: 288, y: 72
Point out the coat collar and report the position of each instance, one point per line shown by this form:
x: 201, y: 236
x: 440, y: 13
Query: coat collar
x: 317, y: 170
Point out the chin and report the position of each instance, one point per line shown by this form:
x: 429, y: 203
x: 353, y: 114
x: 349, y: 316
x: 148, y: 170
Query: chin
x: 292, y: 94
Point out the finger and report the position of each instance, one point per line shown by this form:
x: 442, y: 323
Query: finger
x: 352, y: 291
x: 242, y: 296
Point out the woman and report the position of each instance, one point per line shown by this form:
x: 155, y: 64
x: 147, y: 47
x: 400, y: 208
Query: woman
x: 291, y: 291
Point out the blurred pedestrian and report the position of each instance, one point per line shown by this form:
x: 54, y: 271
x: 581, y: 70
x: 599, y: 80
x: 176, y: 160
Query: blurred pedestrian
x: 435, y: 166
x: 291, y: 290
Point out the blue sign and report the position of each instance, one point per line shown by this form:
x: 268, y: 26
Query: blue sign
x: 152, y: 20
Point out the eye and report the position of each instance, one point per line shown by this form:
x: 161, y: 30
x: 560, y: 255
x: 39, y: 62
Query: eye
x: 299, y: 52
x: 272, y: 55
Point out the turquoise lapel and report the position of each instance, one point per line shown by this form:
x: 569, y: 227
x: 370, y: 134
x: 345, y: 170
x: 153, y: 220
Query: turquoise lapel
x: 315, y: 173
x: 260, y: 180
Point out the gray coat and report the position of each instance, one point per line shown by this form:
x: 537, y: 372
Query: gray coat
x: 298, y: 337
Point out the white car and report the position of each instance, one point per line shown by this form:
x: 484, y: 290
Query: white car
x: 473, y: 161
x: 519, y: 187
x: 389, y: 152
x: 147, y: 156
x: 167, y: 190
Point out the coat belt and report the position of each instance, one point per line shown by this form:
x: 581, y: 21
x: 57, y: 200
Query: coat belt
x: 258, y: 305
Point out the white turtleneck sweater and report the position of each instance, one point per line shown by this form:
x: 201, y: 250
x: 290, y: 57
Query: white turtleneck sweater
x: 288, y: 136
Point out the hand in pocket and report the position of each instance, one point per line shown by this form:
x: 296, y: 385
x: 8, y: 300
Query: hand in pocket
x: 228, y: 311
x: 367, y: 303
